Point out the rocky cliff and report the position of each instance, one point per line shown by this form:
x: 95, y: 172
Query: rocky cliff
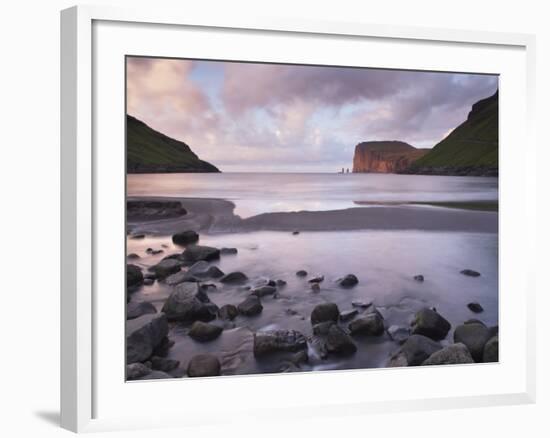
x: 385, y: 156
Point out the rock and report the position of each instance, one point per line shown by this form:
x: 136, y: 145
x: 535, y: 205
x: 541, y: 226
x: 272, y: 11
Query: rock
x: 300, y: 358
x: 338, y: 342
x: 371, y: 324
x: 133, y: 256
x: 291, y: 312
x: 474, y: 336
x: 137, y: 236
x: 399, y: 334
x: 165, y: 268
x: 263, y: 291
x: 490, y: 351
x: 315, y: 287
x: 228, y: 251
x: 419, y: 278
x: 295, y: 232
x: 153, y: 375
x: 475, y: 307
x: 301, y: 273
x: 428, y: 322
x: 163, y: 364
x: 276, y: 341
x: 136, y: 370
x: 228, y: 312
x: 137, y: 309
x: 414, y: 351
x: 204, y: 365
x: 204, y: 332
x: 453, y: 354
x: 179, y: 277
x: 185, y: 238
x: 493, y: 330
x: 349, y: 280
x: 361, y: 304
x: 385, y: 156
x: 317, y: 279
x: 474, y: 321
x: 143, y: 335
x: 325, y: 312
x: 213, y: 272
x: 470, y: 273
x: 134, y: 276
x: 250, y: 306
x: 157, y: 251
x: 163, y: 348
x: 348, y: 315
x: 195, y: 253
x: 234, y: 278
x: 148, y: 281
x: 187, y: 303
x: 280, y: 283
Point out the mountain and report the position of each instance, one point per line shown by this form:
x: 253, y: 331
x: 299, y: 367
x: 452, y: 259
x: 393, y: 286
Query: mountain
x: 384, y: 156
x: 470, y: 149
x: 149, y: 151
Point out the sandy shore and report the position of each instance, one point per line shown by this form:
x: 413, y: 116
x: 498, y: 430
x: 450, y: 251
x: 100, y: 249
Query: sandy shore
x: 217, y: 216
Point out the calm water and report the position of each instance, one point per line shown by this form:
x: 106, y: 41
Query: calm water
x: 255, y: 193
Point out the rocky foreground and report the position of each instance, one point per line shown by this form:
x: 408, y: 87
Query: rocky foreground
x: 193, y: 277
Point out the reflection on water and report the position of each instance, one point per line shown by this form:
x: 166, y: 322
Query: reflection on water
x: 255, y: 193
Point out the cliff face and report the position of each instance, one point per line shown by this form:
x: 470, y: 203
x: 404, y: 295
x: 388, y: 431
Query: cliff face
x: 384, y: 156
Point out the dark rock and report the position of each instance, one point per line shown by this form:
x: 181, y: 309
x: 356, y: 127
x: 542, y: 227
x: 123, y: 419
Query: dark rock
x: 153, y: 210
x: 262, y: 291
x: 295, y: 232
x: 165, y: 268
x: 204, y: 365
x: 204, y: 332
x: 474, y: 336
x: 398, y: 334
x: 325, y: 312
x: 184, y: 238
x: 361, y: 304
x: 234, y: 278
x: 137, y: 309
x: 195, y: 253
x: 414, y: 351
x: 136, y: 370
x: 490, y: 351
x: 475, y: 307
x: 163, y: 348
x: 428, y: 322
x: 228, y: 312
x: 280, y: 283
x: 470, y: 273
x: 338, y: 342
x: 452, y: 354
x: 149, y: 276
x: 419, y: 278
x: 301, y: 273
x: 187, y: 303
x: 162, y: 364
x: 317, y: 279
x: 148, y: 281
x: 300, y: 358
x: 322, y: 328
x: 134, y: 276
x: 348, y: 315
x: 133, y: 256
x: 179, y: 277
x: 315, y: 287
x: 250, y: 306
x: 228, y: 251
x: 213, y: 272
x: 474, y: 321
x: 371, y: 324
x: 143, y: 335
x: 275, y: 341
x: 349, y: 280
x: 493, y: 330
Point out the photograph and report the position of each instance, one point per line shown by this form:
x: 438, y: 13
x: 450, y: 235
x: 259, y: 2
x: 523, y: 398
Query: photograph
x: 296, y: 218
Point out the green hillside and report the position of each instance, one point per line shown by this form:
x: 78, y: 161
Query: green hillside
x: 471, y: 148
x: 149, y: 151
x: 385, y: 146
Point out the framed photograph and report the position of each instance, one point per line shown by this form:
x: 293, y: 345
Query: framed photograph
x: 269, y: 208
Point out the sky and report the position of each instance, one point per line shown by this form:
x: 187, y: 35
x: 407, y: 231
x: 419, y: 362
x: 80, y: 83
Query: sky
x: 279, y: 117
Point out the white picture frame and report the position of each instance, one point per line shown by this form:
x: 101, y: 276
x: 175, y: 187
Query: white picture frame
x: 89, y: 399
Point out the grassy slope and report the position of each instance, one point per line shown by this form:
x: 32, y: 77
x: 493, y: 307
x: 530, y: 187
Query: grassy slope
x: 151, y: 151
x: 385, y: 146
x: 474, y: 143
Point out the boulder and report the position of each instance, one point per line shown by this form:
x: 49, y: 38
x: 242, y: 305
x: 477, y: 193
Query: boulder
x: 195, y: 253
x: 349, y: 280
x: 136, y: 370
x: 470, y: 273
x: 204, y: 365
x: 184, y: 238
x: 204, y: 332
x: 348, y: 315
x: 228, y: 251
x: 452, y: 354
x: 262, y: 291
x: 428, y: 322
x: 134, y: 276
x: 137, y: 309
x: 419, y: 278
x: 250, y: 306
x: 301, y: 273
x: 165, y: 268
x: 371, y: 324
x: 474, y: 336
x: 188, y: 303
x: 475, y: 307
x: 414, y: 351
x: 399, y: 334
x: 179, y: 277
x: 213, y: 272
x: 490, y: 351
x: 276, y: 341
x: 234, y: 278
x: 325, y: 312
x: 228, y: 312
x: 143, y: 335
x: 338, y: 342
x: 162, y: 364
x: 163, y: 348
